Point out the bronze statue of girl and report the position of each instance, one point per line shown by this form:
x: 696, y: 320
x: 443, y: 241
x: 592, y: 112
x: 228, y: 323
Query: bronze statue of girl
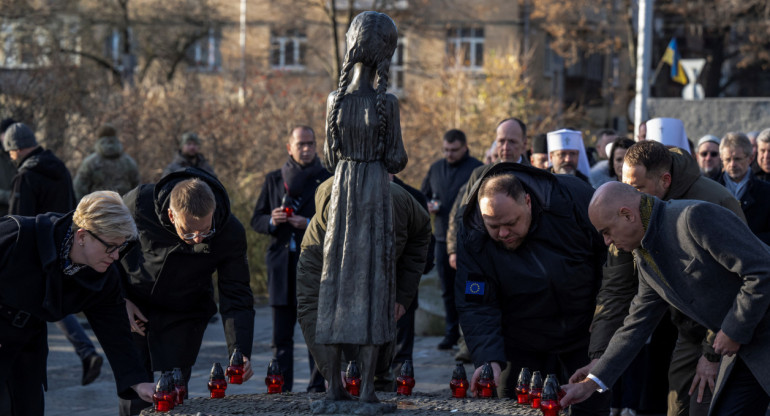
x: 363, y: 145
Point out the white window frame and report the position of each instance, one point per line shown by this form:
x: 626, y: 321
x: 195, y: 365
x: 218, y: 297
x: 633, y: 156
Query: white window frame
x: 460, y: 43
x: 208, y: 63
x: 298, y: 39
x: 398, y: 67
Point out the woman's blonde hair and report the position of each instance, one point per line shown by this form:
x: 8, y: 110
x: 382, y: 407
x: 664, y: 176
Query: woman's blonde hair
x: 104, y: 213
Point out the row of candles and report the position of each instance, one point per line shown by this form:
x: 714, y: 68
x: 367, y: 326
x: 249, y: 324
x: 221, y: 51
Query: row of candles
x: 533, y: 391
x: 530, y: 388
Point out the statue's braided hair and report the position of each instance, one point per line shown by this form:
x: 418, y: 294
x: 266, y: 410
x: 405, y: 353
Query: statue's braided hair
x: 382, y: 89
x: 376, y: 41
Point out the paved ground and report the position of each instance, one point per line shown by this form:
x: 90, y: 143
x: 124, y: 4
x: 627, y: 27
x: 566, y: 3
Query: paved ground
x: 433, y: 369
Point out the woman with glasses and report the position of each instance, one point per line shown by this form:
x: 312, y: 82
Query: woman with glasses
x: 53, y: 265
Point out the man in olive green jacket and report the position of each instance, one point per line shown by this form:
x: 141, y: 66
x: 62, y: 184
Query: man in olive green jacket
x: 669, y: 174
x: 411, y: 225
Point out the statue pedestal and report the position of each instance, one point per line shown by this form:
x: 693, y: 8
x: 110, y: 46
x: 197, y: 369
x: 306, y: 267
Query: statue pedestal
x: 419, y: 404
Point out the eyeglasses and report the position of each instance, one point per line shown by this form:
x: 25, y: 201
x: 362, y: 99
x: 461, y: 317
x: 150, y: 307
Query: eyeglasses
x: 109, y: 248
x: 712, y: 154
x: 193, y: 236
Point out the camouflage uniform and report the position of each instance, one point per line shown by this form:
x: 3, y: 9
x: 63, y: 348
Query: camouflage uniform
x: 108, y: 168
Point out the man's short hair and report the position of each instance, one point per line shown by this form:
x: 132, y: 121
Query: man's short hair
x: 606, y: 132
x: 734, y: 140
x: 654, y: 156
x: 455, y: 135
x: 192, y: 197
x: 302, y: 127
x: 764, y: 136
x: 521, y: 124
x: 502, y: 183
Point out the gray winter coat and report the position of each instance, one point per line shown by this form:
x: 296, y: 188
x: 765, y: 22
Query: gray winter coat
x: 713, y: 269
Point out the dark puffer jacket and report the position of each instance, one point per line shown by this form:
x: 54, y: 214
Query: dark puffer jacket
x: 42, y: 184
x: 32, y: 280
x: 170, y: 280
x: 539, y: 297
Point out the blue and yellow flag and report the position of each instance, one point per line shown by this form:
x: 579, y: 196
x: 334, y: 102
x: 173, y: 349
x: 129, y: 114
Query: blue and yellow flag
x: 671, y: 57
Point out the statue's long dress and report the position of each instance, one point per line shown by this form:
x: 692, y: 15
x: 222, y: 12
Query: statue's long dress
x: 357, y: 293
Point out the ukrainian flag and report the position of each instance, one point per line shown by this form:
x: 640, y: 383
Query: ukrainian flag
x: 671, y: 57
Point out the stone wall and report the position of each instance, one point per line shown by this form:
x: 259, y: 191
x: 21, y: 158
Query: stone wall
x: 715, y: 116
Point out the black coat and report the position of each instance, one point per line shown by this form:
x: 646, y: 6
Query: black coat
x: 283, y: 292
x: 541, y: 296
x: 42, y: 184
x: 32, y: 280
x: 170, y: 280
x: 444, y: 181
x: 755, y: 204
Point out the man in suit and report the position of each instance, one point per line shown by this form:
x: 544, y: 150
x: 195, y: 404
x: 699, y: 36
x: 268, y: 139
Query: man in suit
x: 716, y: 272
x: 283, y: 212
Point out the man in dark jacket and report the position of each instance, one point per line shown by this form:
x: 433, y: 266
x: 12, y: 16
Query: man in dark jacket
x: 283, y: 211
x: 529, y: 267
x: 666, y: 174
x: 440, y: 186
x: 189, y: 156
x: 753, y: 194
x: 43, y: 184
x: 186, y: 233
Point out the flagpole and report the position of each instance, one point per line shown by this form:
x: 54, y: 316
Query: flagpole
x: 643, y: 52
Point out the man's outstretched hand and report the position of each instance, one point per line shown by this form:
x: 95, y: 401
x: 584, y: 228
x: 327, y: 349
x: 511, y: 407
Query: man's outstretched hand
x: 578, y: 392
x: 582, y: 373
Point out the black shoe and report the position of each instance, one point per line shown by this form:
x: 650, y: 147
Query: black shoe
x: 92, y: 367
x: 447, y: 343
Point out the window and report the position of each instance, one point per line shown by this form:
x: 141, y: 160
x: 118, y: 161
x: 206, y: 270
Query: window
x: 465, y: 47
x: 396, y: 78
x: 22, y: 47
x: 552, y: 62
x: 25, y: 46
x: 288, y: 49
x: 204, y: 55
x: 114, y: 48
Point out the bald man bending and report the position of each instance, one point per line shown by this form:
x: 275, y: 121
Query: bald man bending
x: 703, y: 260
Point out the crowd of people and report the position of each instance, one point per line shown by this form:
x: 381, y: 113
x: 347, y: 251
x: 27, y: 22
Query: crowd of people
x: 594, y: 264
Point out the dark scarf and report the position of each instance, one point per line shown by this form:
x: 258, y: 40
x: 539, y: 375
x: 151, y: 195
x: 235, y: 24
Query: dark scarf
x: 295, y: 176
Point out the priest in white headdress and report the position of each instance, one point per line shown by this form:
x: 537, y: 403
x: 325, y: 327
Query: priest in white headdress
x: 669, y: 132
x: 567, y: 154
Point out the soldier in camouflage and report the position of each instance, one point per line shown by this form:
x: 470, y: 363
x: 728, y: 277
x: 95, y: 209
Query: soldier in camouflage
x: 108, y: 168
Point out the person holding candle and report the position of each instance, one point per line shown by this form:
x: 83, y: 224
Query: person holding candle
x: 186, y: 233
x: 53, y: 265
x: 715, y: 272
x: 528, y: 270
x: 289, y: 188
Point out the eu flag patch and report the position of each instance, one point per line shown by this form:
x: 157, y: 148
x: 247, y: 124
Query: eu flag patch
x: 474, y: 288
x: 474, y: 291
